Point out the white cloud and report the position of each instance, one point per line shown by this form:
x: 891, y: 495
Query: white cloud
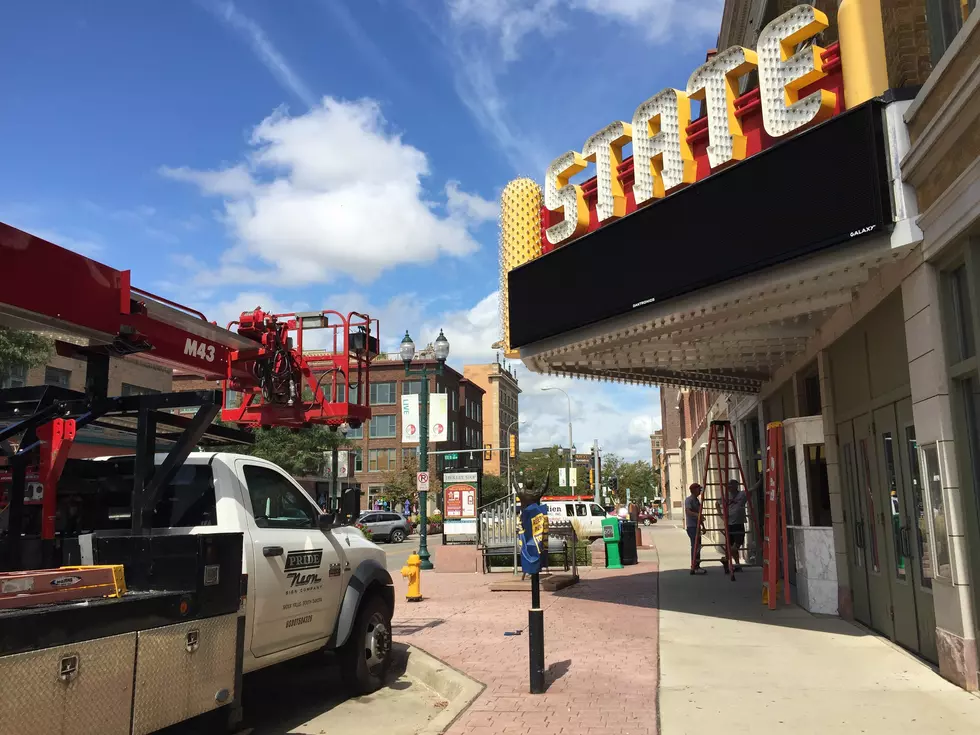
x: 334, y: 191
x: 510, y: 21
x: 263, y: 48
x: 487, y: 37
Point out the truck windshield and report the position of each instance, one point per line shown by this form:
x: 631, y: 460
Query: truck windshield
x: 97, y: 495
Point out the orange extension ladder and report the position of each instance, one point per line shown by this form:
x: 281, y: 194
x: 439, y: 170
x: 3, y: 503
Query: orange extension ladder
x: 775, y: 538
x: 722, y: 464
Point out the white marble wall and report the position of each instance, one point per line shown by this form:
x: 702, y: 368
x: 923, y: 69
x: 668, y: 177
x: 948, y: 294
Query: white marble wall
x: 816, y: 569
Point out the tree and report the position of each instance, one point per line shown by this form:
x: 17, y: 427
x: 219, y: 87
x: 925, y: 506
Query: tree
x: 298, y: 451
x: 401, y: 484
x: 493, y: 488
x: 542, y: 464
x: 640, y: 477
x: 22, y: 349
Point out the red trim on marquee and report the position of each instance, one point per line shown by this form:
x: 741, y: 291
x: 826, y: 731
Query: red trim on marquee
x: 748, y: 108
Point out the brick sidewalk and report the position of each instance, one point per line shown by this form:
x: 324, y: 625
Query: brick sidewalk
x: 601, y: 647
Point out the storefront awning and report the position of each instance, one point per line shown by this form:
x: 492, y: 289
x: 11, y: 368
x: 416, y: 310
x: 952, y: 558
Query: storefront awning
x: 719, y: 284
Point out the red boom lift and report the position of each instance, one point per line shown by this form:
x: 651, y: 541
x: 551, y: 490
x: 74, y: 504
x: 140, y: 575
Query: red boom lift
x: 269, y: 380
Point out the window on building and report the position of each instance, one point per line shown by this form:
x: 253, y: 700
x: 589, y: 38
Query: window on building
x: 383, y: 394
x: 937, y: 504
x: 58, y: 377
x: 382, y: 427
x: 129, y: 389
x: 817, y: 485
x: 452, y: 431
x: 14, y: 377
x: 357, y: 433
x: 411, y: 387
x: 357, y: 457
x: 382, y: 460
x: 375, y: 492
x: 408, y: 453
x: 453, y: 398
x: 945, y: 19
x: 960, y: 315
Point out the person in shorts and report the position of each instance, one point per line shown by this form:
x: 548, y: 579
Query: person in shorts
x: 736, y: 500
x: 692, y: 516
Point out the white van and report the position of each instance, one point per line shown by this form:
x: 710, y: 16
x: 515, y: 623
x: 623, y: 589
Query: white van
x: 589, y: 515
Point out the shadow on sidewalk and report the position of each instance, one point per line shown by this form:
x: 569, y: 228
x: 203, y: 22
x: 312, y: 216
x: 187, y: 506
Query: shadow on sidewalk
x: 711, y: 595
x: 416, y: 626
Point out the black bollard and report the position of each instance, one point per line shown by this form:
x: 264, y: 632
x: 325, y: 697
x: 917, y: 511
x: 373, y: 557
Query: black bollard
x: 535, y: 639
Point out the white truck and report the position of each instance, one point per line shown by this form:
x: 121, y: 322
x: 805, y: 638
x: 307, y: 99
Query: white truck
x: 311, y: 584
x: 308, y: 584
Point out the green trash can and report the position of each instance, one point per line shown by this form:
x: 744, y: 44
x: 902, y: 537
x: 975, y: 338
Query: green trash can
x: 610, y: 535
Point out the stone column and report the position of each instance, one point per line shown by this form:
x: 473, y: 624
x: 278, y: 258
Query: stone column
x: 932, y: 412
x: 845, y: 603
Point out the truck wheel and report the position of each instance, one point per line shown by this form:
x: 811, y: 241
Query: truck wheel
x: 367, y: 653
x: 397, y: 536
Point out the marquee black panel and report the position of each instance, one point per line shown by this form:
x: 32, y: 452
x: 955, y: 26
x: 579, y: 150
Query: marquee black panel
x: 808, y: 193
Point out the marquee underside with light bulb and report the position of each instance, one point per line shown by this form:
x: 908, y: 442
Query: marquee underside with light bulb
x: 712, y: 255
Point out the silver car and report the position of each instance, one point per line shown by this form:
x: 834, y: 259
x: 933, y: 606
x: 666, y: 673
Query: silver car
x: 385, y: 526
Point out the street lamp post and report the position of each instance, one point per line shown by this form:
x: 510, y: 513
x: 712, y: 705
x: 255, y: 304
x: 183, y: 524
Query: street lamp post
x: 407, y: 350
x: 571, y: 449
x: 510, y: 489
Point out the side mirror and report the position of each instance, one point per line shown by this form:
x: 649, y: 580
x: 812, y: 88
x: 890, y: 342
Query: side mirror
x: 328, y: 521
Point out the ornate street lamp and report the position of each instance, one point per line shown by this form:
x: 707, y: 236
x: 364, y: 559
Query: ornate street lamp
x: 407, y: 350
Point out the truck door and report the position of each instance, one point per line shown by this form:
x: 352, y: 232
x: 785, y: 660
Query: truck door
x: 297, y: 569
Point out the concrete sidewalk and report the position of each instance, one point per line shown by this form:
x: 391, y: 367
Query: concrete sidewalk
x: 728, y: 664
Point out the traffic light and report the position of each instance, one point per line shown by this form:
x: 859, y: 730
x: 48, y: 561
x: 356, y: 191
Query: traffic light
x: 591, y: 477
x: 487, y: 454
x: 513, y: 445
x: 614, y: 484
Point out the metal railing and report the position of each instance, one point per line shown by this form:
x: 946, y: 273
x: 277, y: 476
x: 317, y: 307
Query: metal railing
x: 498, y: 522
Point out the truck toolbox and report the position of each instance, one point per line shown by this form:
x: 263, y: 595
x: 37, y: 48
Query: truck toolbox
x: 183, y: 670
x: 76, y: 689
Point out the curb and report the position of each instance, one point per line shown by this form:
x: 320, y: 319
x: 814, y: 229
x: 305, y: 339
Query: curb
x: 454, y: 686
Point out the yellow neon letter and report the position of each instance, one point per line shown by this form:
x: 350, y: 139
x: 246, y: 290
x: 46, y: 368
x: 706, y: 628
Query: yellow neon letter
x: 783, y: 71
x: 560, y: 196
x: 662, y: 159
x: 716, y: 82
x: 606, y: 149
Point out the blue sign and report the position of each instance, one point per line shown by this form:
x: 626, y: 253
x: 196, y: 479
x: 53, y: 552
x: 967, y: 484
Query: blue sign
x: 533, y: 534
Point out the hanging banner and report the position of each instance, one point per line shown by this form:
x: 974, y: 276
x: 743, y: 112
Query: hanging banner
x: 561, y: 477
x: 533, y: 535
x: 574, y: 479
x: 438, y: 417
x: 410, y: 419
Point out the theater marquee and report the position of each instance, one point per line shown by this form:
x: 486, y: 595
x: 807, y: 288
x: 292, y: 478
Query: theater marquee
x: 700, y: 201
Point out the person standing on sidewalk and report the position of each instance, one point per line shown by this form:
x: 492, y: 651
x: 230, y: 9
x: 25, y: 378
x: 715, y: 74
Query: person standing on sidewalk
x: 692, y: 514
x: 736, y: 500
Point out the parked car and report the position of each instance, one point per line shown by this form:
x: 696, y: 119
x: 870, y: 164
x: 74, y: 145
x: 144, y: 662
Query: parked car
x: 648, y: 518
x: 385, y: 526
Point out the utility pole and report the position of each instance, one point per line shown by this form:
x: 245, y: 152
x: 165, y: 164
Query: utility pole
x: 596, y: 471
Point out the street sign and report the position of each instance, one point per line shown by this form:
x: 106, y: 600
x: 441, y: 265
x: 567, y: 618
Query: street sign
x: 452, y: 456
x: 422, y: 482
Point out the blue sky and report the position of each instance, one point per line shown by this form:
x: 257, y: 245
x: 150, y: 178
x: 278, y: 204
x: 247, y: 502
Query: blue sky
x: 328, y: 153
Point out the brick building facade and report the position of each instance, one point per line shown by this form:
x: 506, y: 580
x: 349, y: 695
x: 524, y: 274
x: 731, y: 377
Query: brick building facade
x: 501, y: 398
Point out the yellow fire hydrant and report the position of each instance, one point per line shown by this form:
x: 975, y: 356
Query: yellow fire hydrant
x: 412, y: 571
